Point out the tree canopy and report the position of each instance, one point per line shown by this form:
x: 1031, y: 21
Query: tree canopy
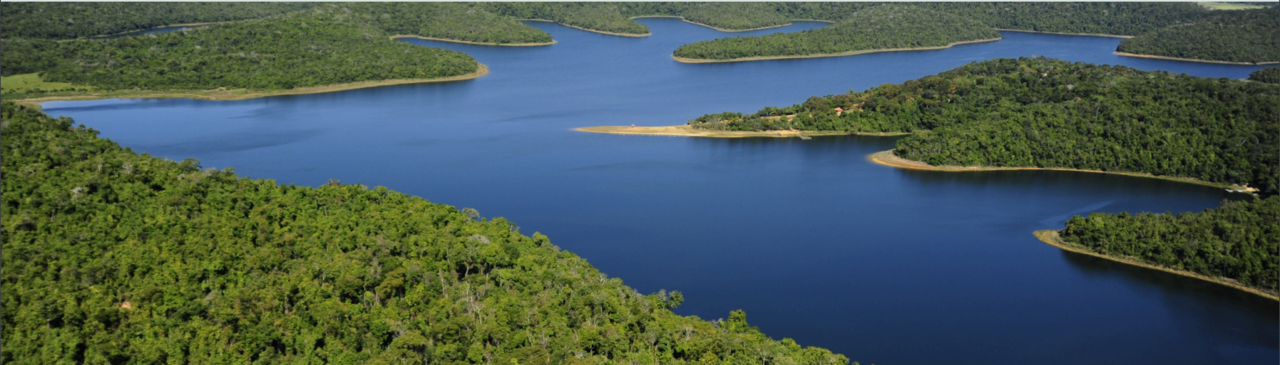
x: 119, y: 257
x: 1233, y: 36
x: 1239, y: 240
x: 320, y: 46
x: 55, y: 20
x: 883, y: 27
x: 1268, y: 75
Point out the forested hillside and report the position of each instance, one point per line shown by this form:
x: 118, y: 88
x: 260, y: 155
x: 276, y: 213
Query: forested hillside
x: 882, y: 27
x: 1269, y: 75
x: 87, y: 19
x: 456, y: 21
x: 1036, y: 112
x: 1232, y: 36
x: 115, y: 257
x: 603, y: 17
x: 1239, y: 240
x: 321, y: 46
x: 1131, y: 18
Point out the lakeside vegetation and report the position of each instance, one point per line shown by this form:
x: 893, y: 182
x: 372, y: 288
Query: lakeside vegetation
x: 322, y: 46
x: 1230, y: 36
x: 84, y: 19
x: 1269, y: 75
x: 883, y: 27
x: 450, y: 21
x: 1038, y: 112
x: 1237, y: 241
x: 114, y: 256
x: 601, y: 17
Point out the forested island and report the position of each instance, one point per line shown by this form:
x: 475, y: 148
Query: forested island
x: 885, y: 27
x: 114, y: 256
x: 1235, y: 244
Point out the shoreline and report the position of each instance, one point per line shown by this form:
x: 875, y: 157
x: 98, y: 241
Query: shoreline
x: 399, y: 36
x: 687, y: 131
x: 1126, y: 54
x: 242, y: 94
x: 841, y: 54
x: 1050, y: 237
x: 708, y: 26
x: 1075, y: 34
x: 887, y: 158
x: 590, y: 30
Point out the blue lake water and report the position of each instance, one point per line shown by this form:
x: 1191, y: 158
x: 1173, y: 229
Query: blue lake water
x: 884, y: 265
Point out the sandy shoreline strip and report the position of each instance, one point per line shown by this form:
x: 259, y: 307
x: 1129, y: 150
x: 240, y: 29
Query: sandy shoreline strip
x: 241, y: 94
x: 687, y: 131
x: 1118, y: 53
x: 841, y: 54
x: 1078, y: 34
x: 399, y: 36
x: 1051, y: 237
x: 887, y: 158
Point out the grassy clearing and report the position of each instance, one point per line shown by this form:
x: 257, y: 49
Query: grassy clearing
x: 32, y: 83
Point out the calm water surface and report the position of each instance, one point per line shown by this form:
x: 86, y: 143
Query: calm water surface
x: 813, y: 241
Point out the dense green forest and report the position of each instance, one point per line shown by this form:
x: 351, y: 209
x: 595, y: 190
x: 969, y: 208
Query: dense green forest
x: 1233, y: 36
x: 320, y: 46
x: 1037, y: 112
x: 604, y: 17
x: 1078, y: 17
x: 1237, y: 240
x: 881, y: 27
x: 115, y: 257
x: 1269, y: 75
x: 83, y: 19
x: 464, y: 22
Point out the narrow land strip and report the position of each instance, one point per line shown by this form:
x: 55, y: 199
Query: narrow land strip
x: 1118, y: 53
x: 591, y: 30
x: 399, y: 36
x: 1078, y: 34
x: 719, y: 29
x: 688, y: 131
x: 841, y: 54
x: 1051, y: 237
x: 241, y: 94
x: 887, y: 158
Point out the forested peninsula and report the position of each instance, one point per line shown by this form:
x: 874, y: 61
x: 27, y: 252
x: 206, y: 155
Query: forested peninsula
x: 1237, y: 244
x: 114, y: 256
x: 882, y: 28
x: 1046, y: 113
x: 327, y: 47
x: 1236, y: 36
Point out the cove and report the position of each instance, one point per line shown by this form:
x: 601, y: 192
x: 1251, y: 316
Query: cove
x: 816, y: 243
